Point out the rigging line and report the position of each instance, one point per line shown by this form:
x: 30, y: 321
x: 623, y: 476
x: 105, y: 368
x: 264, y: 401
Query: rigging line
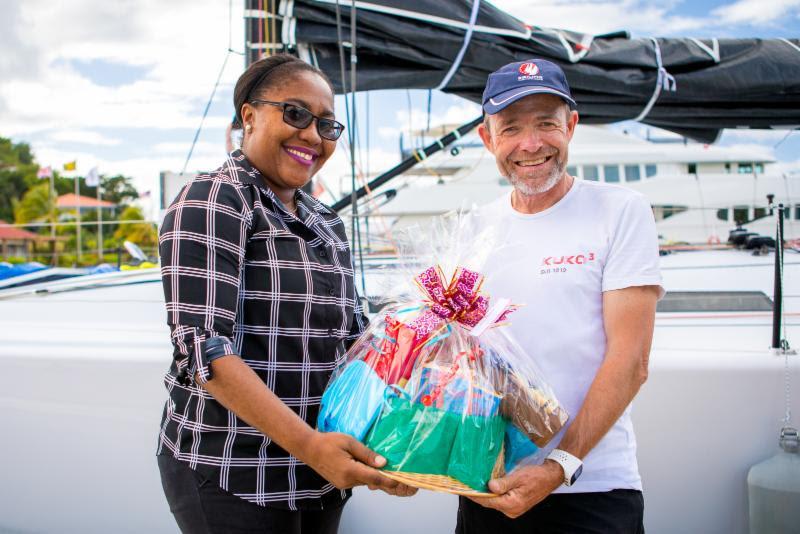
x: 355, y: 227
x: 273, y: 20
x: 428, y: 125
x: 230, y: 24
x: 260, y: 27
x: 267, y: 34
x: 353, y: 63
x: 205, y: 112
x: 473, y: 17
x: 411, y: 141
x: 785, y: 137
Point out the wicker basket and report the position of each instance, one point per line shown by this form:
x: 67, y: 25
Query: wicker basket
x: 445, y: 483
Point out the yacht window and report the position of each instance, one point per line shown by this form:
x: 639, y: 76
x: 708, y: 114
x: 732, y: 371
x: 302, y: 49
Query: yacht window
x: 740, y: 214
x: 760, y: 168
x: 668, y: 210
x: 632, y: 173
x: 692, y: 168
x: 728, y: 167
x: 650, y: 170
x: 797, y: 211
x: 572, y: 170
x: 787, y: 212
x: 714, y: 301
x: 590, y: 172
x: 759, y: 212
x: 611, y: 173
x: 722, y: 214
x: 745, y: 168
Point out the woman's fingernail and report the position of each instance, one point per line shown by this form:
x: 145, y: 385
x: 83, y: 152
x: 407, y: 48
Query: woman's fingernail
x: 380, y: 460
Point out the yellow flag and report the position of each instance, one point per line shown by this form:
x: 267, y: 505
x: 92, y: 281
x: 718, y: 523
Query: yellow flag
x: 71, y: 165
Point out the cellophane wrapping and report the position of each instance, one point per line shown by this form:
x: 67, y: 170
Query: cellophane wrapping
x: 436, y: 384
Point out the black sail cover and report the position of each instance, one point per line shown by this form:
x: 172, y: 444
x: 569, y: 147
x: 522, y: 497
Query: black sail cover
x: 703, y: 85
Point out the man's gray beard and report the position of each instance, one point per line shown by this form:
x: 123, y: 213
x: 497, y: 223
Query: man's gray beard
x: 527, y: 189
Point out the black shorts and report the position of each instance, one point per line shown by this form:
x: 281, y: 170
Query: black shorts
x: 201, y: 507
x: 612, y: 512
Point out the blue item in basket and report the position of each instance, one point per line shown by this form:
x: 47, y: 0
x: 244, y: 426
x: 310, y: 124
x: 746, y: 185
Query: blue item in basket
x: 351, y: 403
x: 518, y: 446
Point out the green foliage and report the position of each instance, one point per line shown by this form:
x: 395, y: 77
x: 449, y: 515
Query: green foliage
x: 17, y: 175
x: 143, y: 234
x: 36, y: 205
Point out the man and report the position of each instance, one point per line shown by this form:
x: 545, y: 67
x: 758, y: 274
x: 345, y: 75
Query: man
x: 584, y: 258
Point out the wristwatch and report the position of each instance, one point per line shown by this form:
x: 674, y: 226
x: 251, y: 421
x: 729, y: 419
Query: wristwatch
x: 572, y: 465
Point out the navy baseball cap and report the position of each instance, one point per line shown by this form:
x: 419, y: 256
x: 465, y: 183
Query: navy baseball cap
x: 517, y: 80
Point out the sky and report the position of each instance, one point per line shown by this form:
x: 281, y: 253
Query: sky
x: 122, y: 85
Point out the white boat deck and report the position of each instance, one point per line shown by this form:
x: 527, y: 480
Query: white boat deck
x: 81, y: 397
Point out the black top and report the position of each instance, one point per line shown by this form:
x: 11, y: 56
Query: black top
x: 242, y: 275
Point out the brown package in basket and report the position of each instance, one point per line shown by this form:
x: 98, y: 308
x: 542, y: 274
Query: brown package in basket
x: 536, y: 414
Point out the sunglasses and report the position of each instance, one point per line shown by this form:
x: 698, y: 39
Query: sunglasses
x: 300, y: 118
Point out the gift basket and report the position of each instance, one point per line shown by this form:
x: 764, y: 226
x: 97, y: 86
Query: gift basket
x: 436, y: 384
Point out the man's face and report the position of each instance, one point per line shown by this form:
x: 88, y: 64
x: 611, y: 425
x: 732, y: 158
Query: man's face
x: 530, y: 141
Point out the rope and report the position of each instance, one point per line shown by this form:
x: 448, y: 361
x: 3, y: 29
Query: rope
x: 260, y: 26
x: 467, y: 37
x: 355, y: 226
x: 665, y: 81
x: 787, y: 41
x: 273, y: 21
x: 205, y: 112
x: 779, y: 143
x: 712, y: 51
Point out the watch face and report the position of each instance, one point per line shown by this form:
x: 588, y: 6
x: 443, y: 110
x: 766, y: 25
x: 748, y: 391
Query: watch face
x: 575, y: 475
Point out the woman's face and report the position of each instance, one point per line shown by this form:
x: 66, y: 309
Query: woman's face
x: 287, y: 156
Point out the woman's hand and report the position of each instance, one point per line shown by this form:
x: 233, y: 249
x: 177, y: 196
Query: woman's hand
x: 338, y: 458
x: 345, y: 462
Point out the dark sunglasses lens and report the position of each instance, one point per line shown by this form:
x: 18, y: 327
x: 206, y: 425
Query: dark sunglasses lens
x: 297, y: 116
x: 330, y: 129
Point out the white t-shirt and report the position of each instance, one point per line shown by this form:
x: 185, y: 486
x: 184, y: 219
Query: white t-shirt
x: 558, y: 263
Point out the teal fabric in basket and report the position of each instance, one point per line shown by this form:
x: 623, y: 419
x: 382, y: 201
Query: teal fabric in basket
x: 352, y: 402
x: 422, y: 439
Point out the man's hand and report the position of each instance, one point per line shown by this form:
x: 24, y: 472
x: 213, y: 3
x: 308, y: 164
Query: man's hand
x: 523, y: 488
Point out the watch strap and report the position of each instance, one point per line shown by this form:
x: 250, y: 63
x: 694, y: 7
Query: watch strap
x: 572, y: 465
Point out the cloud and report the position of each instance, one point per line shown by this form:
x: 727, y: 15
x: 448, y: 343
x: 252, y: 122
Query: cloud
x: 18, y: 58
x: 86, y: 137
x: 182, y: 148
x: 176, y: 46
x: 755, y: 150
x: 768, y: 137
x: 753, y: 12
x: 453, y: 115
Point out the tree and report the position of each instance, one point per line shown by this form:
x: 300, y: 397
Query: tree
x: 36, y: 205
x: 143, y: 234
x: 17, y: 174
x: 117, y: 189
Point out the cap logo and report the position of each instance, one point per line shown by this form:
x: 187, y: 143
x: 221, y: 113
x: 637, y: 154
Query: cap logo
x: 529, y: 69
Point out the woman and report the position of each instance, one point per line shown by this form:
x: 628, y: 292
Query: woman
x: 261, y: 303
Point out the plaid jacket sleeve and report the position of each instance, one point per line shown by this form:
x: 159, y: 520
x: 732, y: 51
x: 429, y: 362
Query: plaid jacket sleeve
x: 202, y: 245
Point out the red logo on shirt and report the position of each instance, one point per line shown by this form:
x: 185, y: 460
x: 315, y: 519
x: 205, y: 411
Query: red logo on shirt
x: 578, y: 259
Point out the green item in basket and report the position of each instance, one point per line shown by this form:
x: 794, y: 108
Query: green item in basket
x: 478, y: 443
x: 418, y: 439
